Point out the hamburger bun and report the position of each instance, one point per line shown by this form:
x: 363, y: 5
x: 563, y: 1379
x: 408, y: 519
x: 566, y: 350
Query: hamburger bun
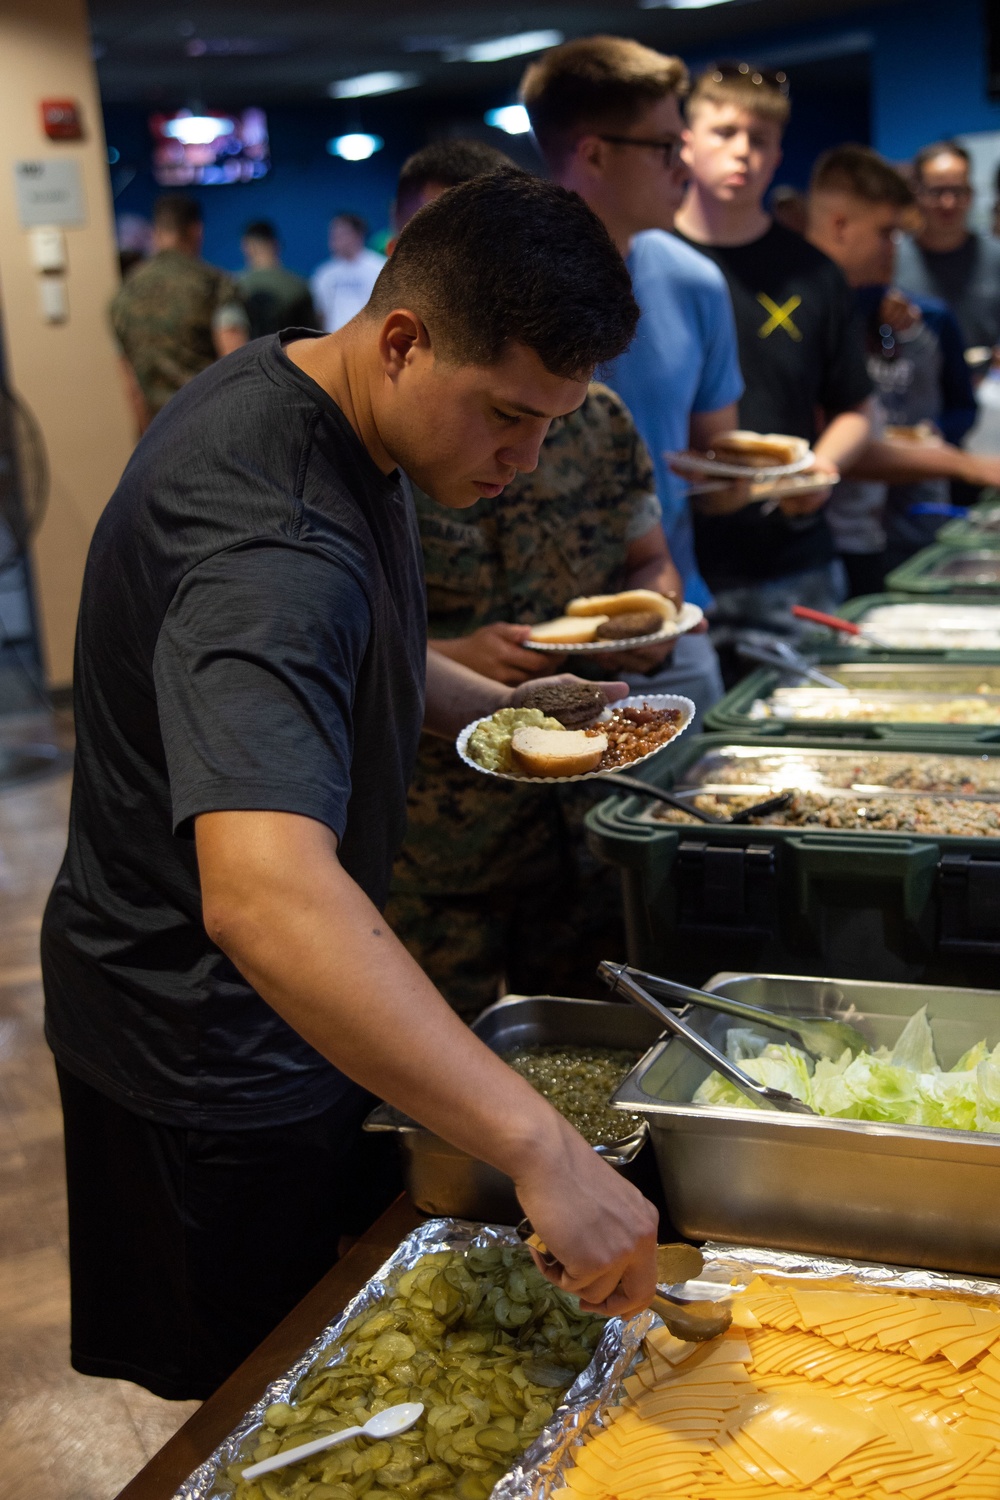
x: 556, y: 752
x: 566, y: 631
x: 631, y: 602
x: 756, y: 450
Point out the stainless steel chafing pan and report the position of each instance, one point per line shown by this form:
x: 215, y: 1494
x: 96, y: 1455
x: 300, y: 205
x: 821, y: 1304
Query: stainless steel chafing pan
x: 440, y: 1179
x: 902, y: 1194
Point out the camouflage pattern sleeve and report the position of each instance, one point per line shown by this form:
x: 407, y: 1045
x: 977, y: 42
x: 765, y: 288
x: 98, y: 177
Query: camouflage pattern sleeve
x: 230, y: 309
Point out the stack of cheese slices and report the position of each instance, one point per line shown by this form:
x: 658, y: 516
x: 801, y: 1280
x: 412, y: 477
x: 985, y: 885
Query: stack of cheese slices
x: 851, y: 1395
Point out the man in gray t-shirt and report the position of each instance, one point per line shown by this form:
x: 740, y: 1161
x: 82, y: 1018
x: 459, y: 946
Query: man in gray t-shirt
x: 947, y: 259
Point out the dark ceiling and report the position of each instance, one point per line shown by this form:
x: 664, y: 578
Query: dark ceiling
x: 227, y: 52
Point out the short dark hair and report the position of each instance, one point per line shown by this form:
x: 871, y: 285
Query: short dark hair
x: 760, y: 92
x: 508, y: 258
x: 861, y: 172
x: 937, y: 148
x: 357, y: 223
x: 261, y: 229
x: 594, y: 84
x: 177, y: 213
x: 448, y: 163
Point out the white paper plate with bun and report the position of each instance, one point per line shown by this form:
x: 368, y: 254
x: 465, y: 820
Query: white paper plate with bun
x: 558, y: 756
x: 746, y: 455
x: 588, y: 619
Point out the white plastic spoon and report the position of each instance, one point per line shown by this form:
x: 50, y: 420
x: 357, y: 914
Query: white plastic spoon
x: 384, y: 1424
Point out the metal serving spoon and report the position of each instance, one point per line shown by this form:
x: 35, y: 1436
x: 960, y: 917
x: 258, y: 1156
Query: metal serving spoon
x: 820, y: 1038
x: 672, y: 799
x: 620, y: 980
x: 783, y: 656
x: 384, y: 1424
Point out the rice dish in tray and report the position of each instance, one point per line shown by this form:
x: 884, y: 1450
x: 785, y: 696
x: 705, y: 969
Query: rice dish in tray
x: 885, y: 707
x: 936, y: 627
x: 856, y: 812
x: 736, y: 766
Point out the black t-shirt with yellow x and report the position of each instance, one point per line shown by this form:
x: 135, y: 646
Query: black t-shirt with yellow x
x: 803, y: 360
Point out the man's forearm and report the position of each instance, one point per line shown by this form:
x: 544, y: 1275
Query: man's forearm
x: 844, y: 439
x: 456, y: 695
x: 908, y: 463
x: 660, y: 575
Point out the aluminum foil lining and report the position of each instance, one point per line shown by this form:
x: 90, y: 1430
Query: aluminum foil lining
x: 590, y: 1393
x: 542, y: 1469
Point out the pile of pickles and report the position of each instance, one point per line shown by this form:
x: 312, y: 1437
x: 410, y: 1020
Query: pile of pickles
x: 479, y: 1336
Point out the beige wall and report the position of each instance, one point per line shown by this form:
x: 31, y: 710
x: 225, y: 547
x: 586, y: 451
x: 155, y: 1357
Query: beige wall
x: 67, y: 373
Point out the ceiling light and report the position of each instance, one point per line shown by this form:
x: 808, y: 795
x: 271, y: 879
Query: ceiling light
x: 197, y: 130
x: 355, y: 147
x: 680, y: 4
x: 513, y: 118
x: 371, y: 83
x: 504, y: 46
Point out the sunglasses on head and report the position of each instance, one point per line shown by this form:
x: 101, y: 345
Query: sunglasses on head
x: 743, y: 72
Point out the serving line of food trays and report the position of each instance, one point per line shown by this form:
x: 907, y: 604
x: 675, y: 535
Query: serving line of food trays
x: 688, y: 616
x: 645, y: 700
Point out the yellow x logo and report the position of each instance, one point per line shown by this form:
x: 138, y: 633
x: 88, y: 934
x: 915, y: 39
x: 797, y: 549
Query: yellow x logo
x: 779, y: 317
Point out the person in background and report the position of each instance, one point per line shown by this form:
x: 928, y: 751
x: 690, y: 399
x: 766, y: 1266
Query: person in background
x: 946, y: 258
x: 342, y: 285
x: 858, y: 204
x: 494, y: 884
x: 802, y: 354
x: 606, y: 113
x: 789, y: 208
x: 175, y: 314
x: 426, y: 174
x: 274, y: 297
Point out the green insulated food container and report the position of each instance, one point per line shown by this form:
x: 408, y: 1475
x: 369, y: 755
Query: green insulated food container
x: 980, y: 526
x: 937, y: 626
x: 903, y: 698
x: 945, y: 569
x: 915, y: 904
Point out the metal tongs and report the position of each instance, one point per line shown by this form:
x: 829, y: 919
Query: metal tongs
x: 672, y: 799
x: 621, y: 980
x: 820, y: 1037
x: 780, y: 654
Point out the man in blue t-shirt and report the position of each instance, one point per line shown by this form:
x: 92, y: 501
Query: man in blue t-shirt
x: 606, y: 115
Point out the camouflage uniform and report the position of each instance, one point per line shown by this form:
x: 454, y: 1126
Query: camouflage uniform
x: 163, y: 318
x: 494, y: 880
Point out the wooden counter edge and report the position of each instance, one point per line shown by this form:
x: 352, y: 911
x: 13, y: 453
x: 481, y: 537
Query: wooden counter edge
x: 193, y: 1443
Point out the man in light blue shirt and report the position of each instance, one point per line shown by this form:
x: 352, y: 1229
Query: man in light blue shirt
x: 606, y: 116
x: 681, y: 368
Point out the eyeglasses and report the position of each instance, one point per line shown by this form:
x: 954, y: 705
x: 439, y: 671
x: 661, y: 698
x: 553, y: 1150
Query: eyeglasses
x: 962, y: 193
x: 671, y: 148
x: 748, y: 73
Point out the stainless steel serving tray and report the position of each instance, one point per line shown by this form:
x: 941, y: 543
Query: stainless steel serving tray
x: 759, y: 769
x: 981, y: 567
x: 896, y: 1193
x: 440, y: 1178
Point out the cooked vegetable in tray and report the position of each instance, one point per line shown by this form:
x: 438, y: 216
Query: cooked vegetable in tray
x: 579, y: 1081
x: 889, y: 813
x: 904, y: 1086
x: 735, y: 766
x: 479, y: 1336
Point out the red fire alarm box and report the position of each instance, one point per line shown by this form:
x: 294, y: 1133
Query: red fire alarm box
x: 61, y: 120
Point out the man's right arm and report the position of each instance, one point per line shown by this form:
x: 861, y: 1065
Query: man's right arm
x: 278, y: 902
x: 133, y: 394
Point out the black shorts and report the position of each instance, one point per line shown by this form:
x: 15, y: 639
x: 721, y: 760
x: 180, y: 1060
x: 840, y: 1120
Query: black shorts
x: 188, y: 1246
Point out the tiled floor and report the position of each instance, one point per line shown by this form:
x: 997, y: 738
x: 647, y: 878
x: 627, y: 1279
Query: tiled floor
x: 63, y: 1436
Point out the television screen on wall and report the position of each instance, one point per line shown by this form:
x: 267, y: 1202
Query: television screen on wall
x: 210, y: 149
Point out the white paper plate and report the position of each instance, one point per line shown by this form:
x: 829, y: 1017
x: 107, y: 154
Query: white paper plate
x: 689, y: 616
x: 654, y: 700
x: 697, y: 464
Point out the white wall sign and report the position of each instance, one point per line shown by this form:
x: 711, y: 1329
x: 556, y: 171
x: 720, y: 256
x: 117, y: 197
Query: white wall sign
x: 49, y: 192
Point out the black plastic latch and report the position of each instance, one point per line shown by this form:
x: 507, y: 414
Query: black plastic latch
x: 970, y: 904
x: 724, y: 887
